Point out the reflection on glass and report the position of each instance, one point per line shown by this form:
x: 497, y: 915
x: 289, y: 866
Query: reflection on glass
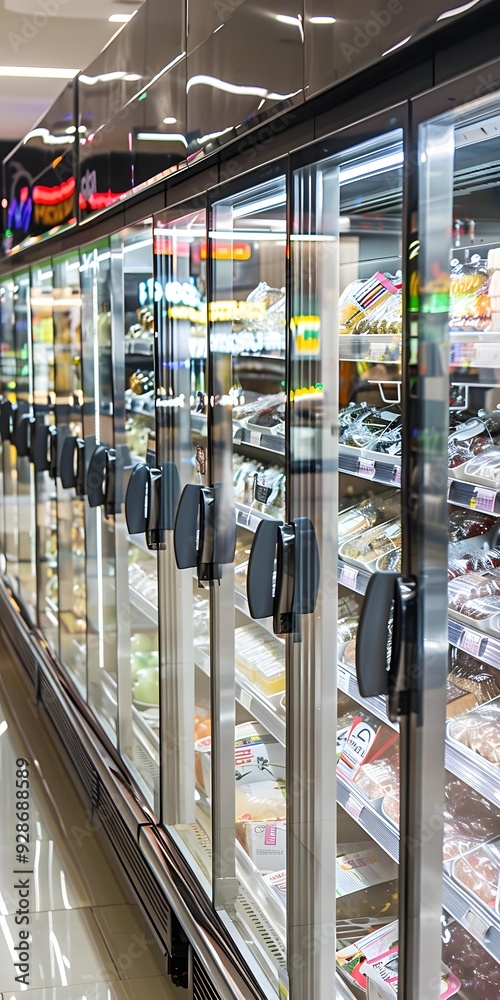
x: 95, y: 277
x: 181, y: 297
x: 8, y: 389
x: 68, y: 383
x: 42, y: 337
x: 136, y: 565
x: 248, y: 345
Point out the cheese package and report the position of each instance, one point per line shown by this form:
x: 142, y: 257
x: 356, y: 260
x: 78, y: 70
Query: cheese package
x: 260, y: 657
x: 264, y: 800
x: 265, y: 843
x: 257, y: 756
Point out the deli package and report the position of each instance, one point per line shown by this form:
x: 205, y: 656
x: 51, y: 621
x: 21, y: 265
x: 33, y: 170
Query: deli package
x: 374, y: 959
x: 479, y: 872
x: 364, y: 742
x: 257, y: 756
x: 479, y: 731
x: 265, y: 843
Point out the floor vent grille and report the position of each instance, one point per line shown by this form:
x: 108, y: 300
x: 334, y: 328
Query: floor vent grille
x: 203, y: 989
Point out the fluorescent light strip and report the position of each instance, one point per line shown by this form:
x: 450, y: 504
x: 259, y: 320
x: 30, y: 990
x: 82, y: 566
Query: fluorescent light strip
x: 162, y: 137
x: 259, y: 206
x: 357, y: 170
x: 322, y: 20
x: 39, y: 72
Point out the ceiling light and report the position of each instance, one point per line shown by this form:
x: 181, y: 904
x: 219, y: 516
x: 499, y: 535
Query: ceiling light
x: 457, y: 10
x: 117, y: 74
x: 396, y: 46
x: 322, y: 20
x: 40, y: 72
x: 70, y: 129
x: 170, y: 120
x: 162, y: 137
x: 121, y: 18
x: 47, y: 137
x: 235, y: 88
x: 81, y: 128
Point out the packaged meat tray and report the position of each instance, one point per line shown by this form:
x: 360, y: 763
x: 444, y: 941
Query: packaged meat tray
x: 469, y: 819
x: 465, y: 524
x: 479, y: 873
x: 479, y: 732
x: 380, y: 777
x: 480, y: 613
x: 368, y: 514
x: 473, y: 562
x: 472, y: 586
x: 364, y: 550
x: 484, y: 469
x: 470, y: 675
x: 477, y: 971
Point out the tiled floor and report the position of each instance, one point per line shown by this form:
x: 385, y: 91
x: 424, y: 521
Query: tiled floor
x: 88, y: 940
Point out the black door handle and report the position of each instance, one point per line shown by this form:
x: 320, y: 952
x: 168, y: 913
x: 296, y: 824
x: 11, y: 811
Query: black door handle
x: 380, y: 671
x: 295, y: 549
x: 137, y: 500
x: 21, y: 435
x: 202, y: 536
x: 53, y: 452
x: 96, y: 477
x: 112, y: 503
x: 151, y: 502
x: 6, y: 419
x: 39, y: 452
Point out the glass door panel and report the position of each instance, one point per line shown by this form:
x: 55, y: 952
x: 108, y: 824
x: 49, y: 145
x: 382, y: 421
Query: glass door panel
x: 68, y: 385
x: 248, y: 415
x: 136, y: 564
x: 180, y: 293
x: 345, y: 475
x: 8, y: 389
x: 460, y: 314
x: 42, y: 330
x: 102, y: 677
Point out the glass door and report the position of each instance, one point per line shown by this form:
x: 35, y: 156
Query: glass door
x: 68, y: 387
x: 459, y: 329
x: 8, y: 389
x: 345, y: 434
x: 42, y: 334
x: 98, y: 428
x: 136, y: 563
x: 25, y: 475
x: 180, y: 294
x: 248, y: 432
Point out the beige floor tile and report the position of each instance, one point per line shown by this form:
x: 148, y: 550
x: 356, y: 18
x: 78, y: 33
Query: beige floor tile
x: 135, y: 952
x: 66, y: 947
x: 158, y: 988
x: 98, y: 991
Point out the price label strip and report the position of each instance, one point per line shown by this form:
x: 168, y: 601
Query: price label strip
x: 484, y: 500
x: 245, y: 699
x: 366, y: 468
x: 471, y: 642
x: 354, y: 807
x: 378, y: 351
x: 343, y: 679
x: 396, y: 476
x: 477, y: 925
x: 349, y: 577
x: 255, y: 438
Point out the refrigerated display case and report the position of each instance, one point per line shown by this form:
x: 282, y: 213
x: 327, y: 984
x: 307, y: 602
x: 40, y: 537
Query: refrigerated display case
x: 27, y: 567
x: 69, y: 401
x: 8, y: 400
x: 41, y: 302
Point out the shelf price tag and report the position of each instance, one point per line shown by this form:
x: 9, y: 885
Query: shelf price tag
x: 378, y: 351
x: 245, y: 699
x: 255, y: 438
x: 396, y: 476
x: 343, y: 679
x: 366, y: 468
x: 349, y: 577
x: 354, y: 807
x: 476, y: 925
x: 487, y: 355
x: 471, y: 642
x: 484, y: 500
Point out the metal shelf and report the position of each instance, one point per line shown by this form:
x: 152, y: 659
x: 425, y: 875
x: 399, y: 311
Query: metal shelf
x: 370, y: 347
x: 148, y: 609
x: 474, y: 497
x: 372, y: 465
x: 249, y: 517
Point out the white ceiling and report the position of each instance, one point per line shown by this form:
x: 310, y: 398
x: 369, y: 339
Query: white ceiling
x: 32, y: 34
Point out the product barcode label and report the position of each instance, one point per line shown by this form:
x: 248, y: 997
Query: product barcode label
x: 396, y: 476
x: 377, y: 351
x: 471, y: 642
x: 477, y: 926
x: 485, y: 500
x: 343, y: 680
x: 366, y: 468
x: 354, y: 807
x: 349, y: 577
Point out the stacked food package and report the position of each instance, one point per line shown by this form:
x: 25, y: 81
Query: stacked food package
x: 372, y: 306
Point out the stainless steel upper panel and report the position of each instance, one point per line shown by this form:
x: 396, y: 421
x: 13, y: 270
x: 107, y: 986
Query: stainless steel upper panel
x: 204, y: 18
x: 244, y: 72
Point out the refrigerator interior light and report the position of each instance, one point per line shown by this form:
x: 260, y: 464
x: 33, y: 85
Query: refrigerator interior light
x: 162, y: 137
x: 242, y: 234
x: 139, y: 245
x: 365, y: 168
x: 322, y: 20
x: 272, y: 201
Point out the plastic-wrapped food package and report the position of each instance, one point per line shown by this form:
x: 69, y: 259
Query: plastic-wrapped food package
x: 469, y: 674
x: 349, y: 656
x: 379, y: 777
x: 390, y: 562
x: 469, y: 819
x: 480, y: 610
x: 476, y: 969
x: 465, y: 524
x: 485, y: 466
x: 472, y: 586
x: 470, y: 307
x: 480, y: 731
x: 368, y: 513
x: 474, y: 562
x: 459, y: 454
x: 373, y: 543
x: 346, y: 632
x: 372, y: 306
x: 479, y: 872
x: 260, y: 800
x: 351, y: 414
x: 457, y: 700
